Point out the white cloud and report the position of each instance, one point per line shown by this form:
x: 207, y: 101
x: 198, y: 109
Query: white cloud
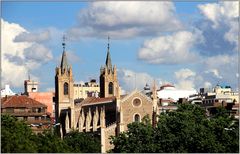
x: 223, y: 13
x: 223, y: 68
x: 33, y: 37
x: 207, y: 84
x: 38, y: 53
x: 216, y: 12
x: 214, y: 72
x: 171, y: 49
x: 16, y: 64
x: 126, y: 19
x: 185, y: 79
x: 184, y: 74
x: 129, y: 80
x: 232, y: 35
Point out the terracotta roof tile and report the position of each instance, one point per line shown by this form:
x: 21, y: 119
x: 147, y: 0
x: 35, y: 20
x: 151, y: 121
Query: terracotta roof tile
x: 94, y: 100
x: 20, y: 101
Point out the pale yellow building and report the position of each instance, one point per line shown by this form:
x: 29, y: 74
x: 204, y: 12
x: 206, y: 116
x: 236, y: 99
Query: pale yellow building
x: 88, y: 89
x: 226, y: 93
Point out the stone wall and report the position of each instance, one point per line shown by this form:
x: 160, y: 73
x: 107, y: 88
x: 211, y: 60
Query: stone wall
x: 129, y: 110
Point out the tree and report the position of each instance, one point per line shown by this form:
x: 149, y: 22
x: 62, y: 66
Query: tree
x: 82, y: 142
x: 16, y: 136
x: 137, y: 139
x: 187, y: 129
x: 48, y: 142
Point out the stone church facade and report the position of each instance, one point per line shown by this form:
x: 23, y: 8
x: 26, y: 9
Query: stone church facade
x: 109, y: 114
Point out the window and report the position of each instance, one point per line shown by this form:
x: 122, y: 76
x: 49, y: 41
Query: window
x: 136, y: 118
x: 65, y: 88
x: 136, y: 102
x: 21, y: 110
x: 110, y: 88
x: 9, y: 110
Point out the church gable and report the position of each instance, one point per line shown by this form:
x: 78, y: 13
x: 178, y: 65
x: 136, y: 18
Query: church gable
x: 135, y: 107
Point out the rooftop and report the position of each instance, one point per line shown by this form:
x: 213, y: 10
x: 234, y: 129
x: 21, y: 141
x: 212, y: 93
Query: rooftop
x: 96, y: 100
x: 20, y: 101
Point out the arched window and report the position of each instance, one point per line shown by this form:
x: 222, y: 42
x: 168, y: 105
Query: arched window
x: 136, y: 118
x: 65, y: 88
x: 110, y: 88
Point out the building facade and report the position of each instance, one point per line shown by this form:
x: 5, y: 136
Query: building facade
x: 27, y: 109
x: 88, y: 89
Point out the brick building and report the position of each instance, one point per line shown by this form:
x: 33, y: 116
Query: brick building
x: 24, y: 108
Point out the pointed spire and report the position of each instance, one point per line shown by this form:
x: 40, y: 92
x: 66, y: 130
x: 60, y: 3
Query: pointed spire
x: 64, y: 63
x: 108, y: 59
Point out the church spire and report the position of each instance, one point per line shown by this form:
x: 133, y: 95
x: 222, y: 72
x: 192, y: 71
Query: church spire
x: 108, y: 59
x: 64, y: 63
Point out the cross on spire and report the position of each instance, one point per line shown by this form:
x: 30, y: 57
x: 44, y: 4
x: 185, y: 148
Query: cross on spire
x: 63, y: 43
x: 108, y: 42
x: 64, y: 63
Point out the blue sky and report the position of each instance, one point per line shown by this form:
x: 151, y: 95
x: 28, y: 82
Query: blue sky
x: 188, y: 44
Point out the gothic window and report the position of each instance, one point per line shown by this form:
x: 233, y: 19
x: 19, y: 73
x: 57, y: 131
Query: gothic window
x: 65, y: 88
x: 136, y: 118
x: 110, y: 88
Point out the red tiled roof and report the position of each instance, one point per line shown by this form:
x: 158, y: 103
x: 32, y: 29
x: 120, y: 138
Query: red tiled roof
x: 94, y: 100
x: 166, y: 85
x: 20, y: 101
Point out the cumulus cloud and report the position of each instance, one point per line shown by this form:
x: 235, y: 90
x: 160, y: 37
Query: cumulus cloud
x: 184, y: 74
x: 126, y: 19
x: 220, y: 12
x: 170, y: 49
x: 33, y: 37
x: 129, y: 80
x: 16, y: 63
x: 185, y: 79
x: 223, y: 69
x: 215, y: 73
x: 220, y: 26
x: 38, y: 53
x: 207, y: 84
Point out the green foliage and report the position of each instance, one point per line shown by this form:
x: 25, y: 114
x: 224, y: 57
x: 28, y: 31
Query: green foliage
x: 16, y: 136
x: 82, y: 142
x: 186, y: 130
x: 48, y: 142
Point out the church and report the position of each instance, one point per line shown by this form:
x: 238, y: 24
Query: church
x: 109, y: 113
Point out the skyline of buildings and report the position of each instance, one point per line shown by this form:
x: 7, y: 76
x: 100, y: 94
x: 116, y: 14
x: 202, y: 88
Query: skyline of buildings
x: 188, y: 44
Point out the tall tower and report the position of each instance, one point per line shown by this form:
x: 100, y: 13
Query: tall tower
x: 108, y: 78
x: 64, y: 103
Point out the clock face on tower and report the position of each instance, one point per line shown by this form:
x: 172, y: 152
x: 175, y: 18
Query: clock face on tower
x: 136, y: 102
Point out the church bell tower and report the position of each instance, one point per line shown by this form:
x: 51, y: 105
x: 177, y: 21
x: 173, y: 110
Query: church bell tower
x: 108, y: 78
x: 64, y: 103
